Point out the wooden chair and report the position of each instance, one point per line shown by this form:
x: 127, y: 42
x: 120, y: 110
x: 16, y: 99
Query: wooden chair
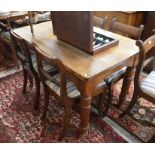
x: 145, y: 88
x: 25, y: 58
x: 100, y: 22
x: 29, y: 65
x: 129, y: 31
x: 60, y: 86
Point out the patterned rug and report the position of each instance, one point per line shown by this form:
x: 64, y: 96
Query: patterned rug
x: 6, y: 64
x: 18, y: 123
x: 141, y: 120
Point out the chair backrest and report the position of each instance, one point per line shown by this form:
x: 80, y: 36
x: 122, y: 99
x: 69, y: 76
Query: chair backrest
x: 127, y: 30
x: 44, y: 75
x: 145, y: 48
x: 23, y: 51
x: 100, y: 22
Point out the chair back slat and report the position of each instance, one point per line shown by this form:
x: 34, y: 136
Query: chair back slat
x: 100, y: 22
x: 23, y: 51
x: 41, y: 57
x: 127, y: 30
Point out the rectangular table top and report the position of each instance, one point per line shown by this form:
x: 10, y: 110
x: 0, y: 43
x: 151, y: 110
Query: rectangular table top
x: 82, y: 64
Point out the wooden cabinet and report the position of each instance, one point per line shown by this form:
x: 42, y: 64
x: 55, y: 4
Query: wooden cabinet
x: 134, y: 18
x: 149, y: 25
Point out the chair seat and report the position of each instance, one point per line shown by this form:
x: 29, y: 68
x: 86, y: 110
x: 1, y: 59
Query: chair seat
x: 148, y: 85
x: 115, y: 75
x: 46, y: 66
x: 71, y: 88
x: 6, y: 36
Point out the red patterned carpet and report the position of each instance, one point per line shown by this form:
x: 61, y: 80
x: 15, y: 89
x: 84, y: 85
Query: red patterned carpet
x: 141, y: 121
x: 18, y: 124
x: 6, y: 64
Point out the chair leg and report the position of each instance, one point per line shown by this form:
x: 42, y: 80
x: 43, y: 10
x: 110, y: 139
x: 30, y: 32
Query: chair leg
x: 131, y: 104
x: 1, y: 52
x: 100, y: 105
x: 37, y: 93
x: 14, y: 56
x: 110, y: 96
x: 24, y: 81
x: 46, y: 101
x: 31, y: 81
x: 110, y: 93
x: 67, y: 117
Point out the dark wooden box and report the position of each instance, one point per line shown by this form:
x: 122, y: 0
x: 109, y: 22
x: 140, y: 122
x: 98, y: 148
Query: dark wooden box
x: 76, y: 28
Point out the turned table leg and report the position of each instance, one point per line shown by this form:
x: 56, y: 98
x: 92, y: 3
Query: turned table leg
x: 85, y: 106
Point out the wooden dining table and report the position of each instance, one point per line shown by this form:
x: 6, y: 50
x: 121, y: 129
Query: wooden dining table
x: 86, y: 71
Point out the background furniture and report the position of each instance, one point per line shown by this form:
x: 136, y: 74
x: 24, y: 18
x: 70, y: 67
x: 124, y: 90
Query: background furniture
x: 14, y: 15
x: 100, y: 22
x: 5, y: 38
x: 134, y: 18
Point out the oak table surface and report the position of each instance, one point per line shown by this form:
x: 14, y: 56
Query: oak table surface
x: 83, y: 64
x: 87, y: 71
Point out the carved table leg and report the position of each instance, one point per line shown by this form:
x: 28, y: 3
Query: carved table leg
x: 85, y: 105
x: 126, y: 84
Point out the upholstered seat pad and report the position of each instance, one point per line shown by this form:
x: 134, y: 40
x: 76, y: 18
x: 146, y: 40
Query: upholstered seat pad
x: 115, y: 75
x: 6, y: 36
x: 71, y: 88
x: 148, y: 85
x: 46, y: 66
